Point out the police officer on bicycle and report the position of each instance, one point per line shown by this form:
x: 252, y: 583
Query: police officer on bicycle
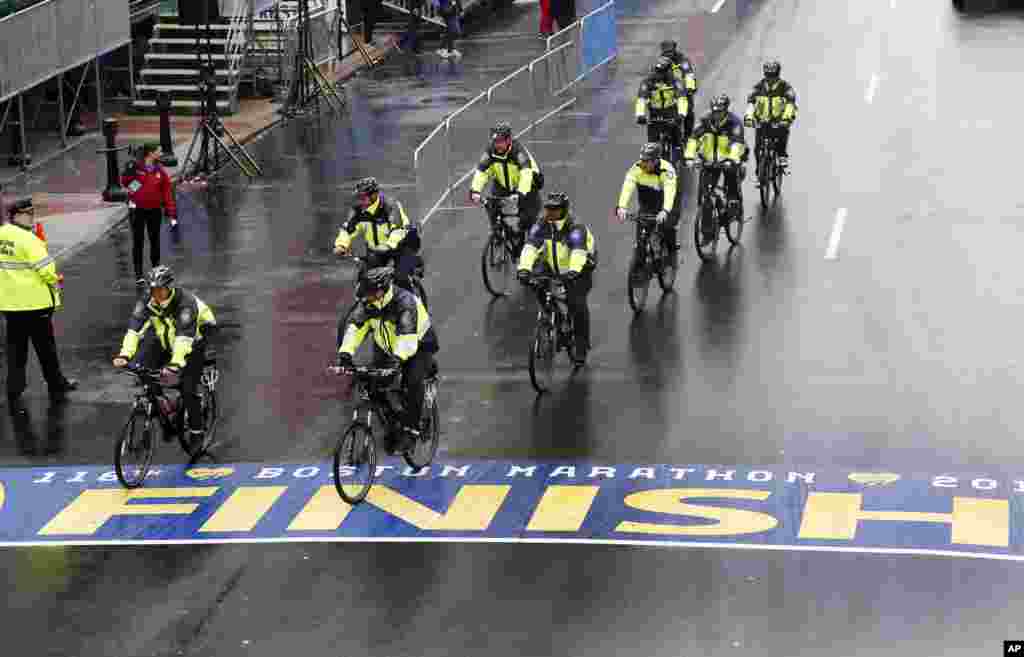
x: 181, y: 326
x: 655, y: 183
x: 402, y: 331
x: 389, y: 235
x: 570, y: 252
x: 663, y: 97
x: 513, y: 171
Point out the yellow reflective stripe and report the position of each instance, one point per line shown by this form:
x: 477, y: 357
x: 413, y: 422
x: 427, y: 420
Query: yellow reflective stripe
x: 405, y: 346
x: 354, y: 336
x: 182, y: 348
x: 691, y: 82
x: 343, y: 239
x: 480, y: 179
x: 528, y: 257
x: 628, y: 187
x: 641, y: 106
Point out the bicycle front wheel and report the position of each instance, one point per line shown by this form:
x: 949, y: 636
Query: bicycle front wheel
x: 422, y: 452
x: 638, y: 281
x: 765, y: 179
x: 734, y: 226
x: 355, y: 463
x: 542, y: 357
x: 498, y: 266
x: 669, y: 265
x: 705, y: 217
x: 133, y: 453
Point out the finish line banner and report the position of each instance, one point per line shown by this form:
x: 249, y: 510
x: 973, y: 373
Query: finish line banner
x: 767, y: 507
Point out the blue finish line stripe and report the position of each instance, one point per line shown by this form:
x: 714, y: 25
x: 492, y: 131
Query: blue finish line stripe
x: 751, y: 508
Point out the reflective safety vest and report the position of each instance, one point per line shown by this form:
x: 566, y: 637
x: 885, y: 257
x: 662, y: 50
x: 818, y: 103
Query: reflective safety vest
x: 178, y: 324
x: 654, y: 191
x: 399, y: 322
x: 683, y: 71
x: 663, y: 98
x: 772, y: 100
x: 717, y: 141
x: 515, y: 171
x: 566, y: 246
x: 28, y: 275
x: 383, y: 225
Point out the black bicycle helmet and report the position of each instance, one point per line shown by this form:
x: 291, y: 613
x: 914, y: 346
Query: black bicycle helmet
x: 501, y: 129
x: 668, y: 48
x: 662, y: 67
x: 720, y: 103
x: 651, y: 151
x: 772, y: 68
x: 558, y: 200
x: 367, y: 186
x: 161, y: 276
x: 376, y: 279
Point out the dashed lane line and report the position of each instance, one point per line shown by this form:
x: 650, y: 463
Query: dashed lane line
x: 837, y: 232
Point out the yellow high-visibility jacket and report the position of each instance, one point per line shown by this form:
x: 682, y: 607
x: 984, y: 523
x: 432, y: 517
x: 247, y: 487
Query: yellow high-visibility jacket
x: 28, y: 275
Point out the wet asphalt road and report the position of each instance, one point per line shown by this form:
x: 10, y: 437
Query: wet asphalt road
x: 899, y: 352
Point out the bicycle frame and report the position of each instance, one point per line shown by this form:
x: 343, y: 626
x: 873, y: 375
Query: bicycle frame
x: 553, y: 307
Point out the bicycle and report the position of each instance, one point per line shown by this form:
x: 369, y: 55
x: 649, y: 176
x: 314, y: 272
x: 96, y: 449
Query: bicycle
x: 667, y: 128
x: 769, y: 171
x: 554, y: 331
x: 713, y: 210
x: 357, y: 447
x: 154, y: 411
x: 650, y: 258
x: 501, y: 252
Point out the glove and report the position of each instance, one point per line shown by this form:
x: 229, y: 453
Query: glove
x: 621, y: 214
x: 523, y: 276
x: 474, y: 197
x: 641, y: 120
x: 343, y: 360
x: 120, y: 360
x: 662, y: 217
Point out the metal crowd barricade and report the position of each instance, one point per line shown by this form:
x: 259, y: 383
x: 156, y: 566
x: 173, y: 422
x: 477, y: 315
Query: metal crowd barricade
x: 526, y: 98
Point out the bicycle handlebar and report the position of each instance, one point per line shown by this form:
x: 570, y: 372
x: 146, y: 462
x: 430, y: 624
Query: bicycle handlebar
x: 364, y: 372
x: 641, y: 217
x: 500, y: 203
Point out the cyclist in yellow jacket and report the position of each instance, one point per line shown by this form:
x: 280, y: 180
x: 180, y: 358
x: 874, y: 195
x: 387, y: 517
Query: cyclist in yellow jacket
x: 567, y: 249
x: 722, y: 150
x: 513, y: 170
x: 656, y: 185
x: 662, y: 97
x: 771, y: 106
x: 686, y: 75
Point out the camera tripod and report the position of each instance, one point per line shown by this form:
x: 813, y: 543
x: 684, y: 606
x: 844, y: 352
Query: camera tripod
x: 309, y: 84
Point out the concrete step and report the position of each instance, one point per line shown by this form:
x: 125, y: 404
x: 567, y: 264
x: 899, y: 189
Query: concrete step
x: 182, y: 72
x: 181, y: 88
x: 186, y: 57
x: 170, y: 41
x: 192, y: 105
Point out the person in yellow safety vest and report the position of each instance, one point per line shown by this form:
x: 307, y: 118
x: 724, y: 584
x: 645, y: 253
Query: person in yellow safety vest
x: 182, y: 327
x: 662, y: 97
x: 402, y: 331
x: 723, y: 149
x: 686, y: 75
x: 772, y: 107
x: 656, y: 185
x: 389, y: 234
x: 29, y: 295
x: 513, y: 170
x: 570, y: 252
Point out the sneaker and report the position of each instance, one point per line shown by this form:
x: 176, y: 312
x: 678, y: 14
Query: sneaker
x: 140, y: 282
x: 442, y: 52
x: 454, y: 53
x: 174, y: 224
x: 195, y: 440
x: 783, y: 161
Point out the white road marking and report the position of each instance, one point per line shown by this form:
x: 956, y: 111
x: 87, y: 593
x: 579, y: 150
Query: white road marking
x: 549, y: 541
x: 837, y: 233
x: 872, y: 88
x: 892, y: 4
x: 718, y: 5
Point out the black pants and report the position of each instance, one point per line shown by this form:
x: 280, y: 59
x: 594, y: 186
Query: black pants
x: 675, y: 135
x: 152, y: 354
x: 414, y: 374
x: 142, y: 222
x: 782, y: 134
x: 370, y: 9
x: 411, y: 39
x: 576, y: 298
x: 529, y: 208
x: 37, y: 326
x: 564, y: 12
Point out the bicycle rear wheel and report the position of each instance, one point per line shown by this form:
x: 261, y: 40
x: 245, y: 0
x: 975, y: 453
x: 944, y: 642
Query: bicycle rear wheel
x: 422, y: 453
x: 133, y: 453
x: 355, y: 462
x: 638, y: 281
x: 498, y: 266
x: 765, y: 177
x: 542, y: 357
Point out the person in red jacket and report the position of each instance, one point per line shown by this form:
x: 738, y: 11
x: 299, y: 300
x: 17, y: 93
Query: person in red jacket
x: 150, y: 195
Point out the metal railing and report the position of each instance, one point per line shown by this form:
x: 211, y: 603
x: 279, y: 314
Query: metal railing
x: 532, y: 94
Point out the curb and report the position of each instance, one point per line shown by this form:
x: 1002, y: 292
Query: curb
x: 118, y: 217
